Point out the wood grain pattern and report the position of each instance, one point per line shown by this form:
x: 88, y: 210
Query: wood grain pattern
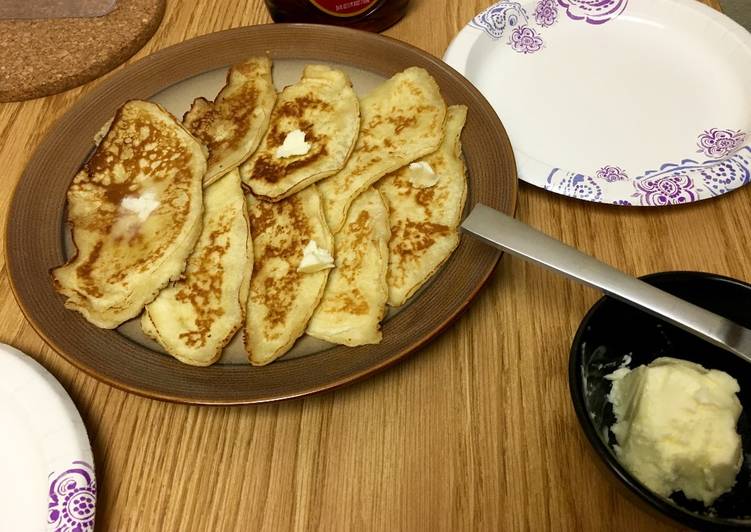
x: 475, y: 433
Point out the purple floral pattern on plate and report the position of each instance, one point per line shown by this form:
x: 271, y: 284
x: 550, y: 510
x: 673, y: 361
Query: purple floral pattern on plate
x: 506, y: 17
x: 713, y: 177
x: 546, y: 13
x: 611, y: 173
x: 575, y: 185
x: 72, y: 502
x: 671, y: 184
x: 671, y: 189
x: 500, y: 16
x: 716, y: 143
x: 525, y: 40
x: 593, y: 11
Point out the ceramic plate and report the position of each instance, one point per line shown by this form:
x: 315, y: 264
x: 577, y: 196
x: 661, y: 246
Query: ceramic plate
x: 632, y: 102
x: 45, y: 458
x: 36, y: 230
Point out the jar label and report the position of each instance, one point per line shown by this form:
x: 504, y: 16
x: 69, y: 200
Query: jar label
x: 343, y: 8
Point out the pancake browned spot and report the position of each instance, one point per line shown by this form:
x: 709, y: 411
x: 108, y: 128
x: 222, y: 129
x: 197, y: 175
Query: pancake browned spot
x: 401, y: 120
x: 232, y: 125
x: 194, y: 318
x: 282, y: 299
x: 323, y: 106
x: 135, y: 214
x: 425, y: 211
x: 354, y: 301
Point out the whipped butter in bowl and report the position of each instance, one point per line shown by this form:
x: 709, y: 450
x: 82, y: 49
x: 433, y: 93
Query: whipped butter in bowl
x: 676, y: 427
x: 667, y: 414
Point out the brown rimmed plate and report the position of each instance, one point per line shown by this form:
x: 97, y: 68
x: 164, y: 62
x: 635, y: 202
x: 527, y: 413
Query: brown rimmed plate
x: 36, y: 225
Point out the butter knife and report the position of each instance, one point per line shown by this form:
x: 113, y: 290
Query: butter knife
x: 508, y: 234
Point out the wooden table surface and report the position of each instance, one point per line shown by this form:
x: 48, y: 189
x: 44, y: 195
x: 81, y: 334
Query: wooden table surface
x: 476, y: 432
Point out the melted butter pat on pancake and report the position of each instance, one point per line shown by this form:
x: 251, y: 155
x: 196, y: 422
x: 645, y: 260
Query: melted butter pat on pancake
x: 194, y: 318
x: 282, y: 299
x: 425, y: 219
x: 324, y: 108
x: 135, y: 215
x: 233, y: 124
x: 354, y: 301
x: 401, y: 120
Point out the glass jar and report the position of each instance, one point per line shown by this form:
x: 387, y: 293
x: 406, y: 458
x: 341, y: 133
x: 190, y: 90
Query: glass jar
x: 370, y: 15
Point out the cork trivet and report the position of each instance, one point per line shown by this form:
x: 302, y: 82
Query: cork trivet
x: 41, y: 57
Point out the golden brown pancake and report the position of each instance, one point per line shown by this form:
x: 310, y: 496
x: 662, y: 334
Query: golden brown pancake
x: 282, y: 299
x: 354, y: 300
x: 135, y: 215
x: 425, y: 212
x: 323, y: 106
x: 400, y: 121
x: 195, y: 317
x: 232, y: 125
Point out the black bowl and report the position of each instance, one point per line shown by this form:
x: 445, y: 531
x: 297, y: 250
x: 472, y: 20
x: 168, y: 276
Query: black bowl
x: 611, y: 330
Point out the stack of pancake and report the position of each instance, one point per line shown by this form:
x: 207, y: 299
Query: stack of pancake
x: 307, y: 211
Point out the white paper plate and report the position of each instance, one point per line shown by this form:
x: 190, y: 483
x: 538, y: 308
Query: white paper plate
x: 46, y: 464
x: 632, y: 102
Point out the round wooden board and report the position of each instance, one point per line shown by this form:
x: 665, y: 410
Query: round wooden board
x: 42, y: 57
x: 34, y: 242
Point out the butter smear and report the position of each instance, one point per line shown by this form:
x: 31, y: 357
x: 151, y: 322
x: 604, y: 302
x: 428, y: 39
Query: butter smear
x: 142, y: 205
x: 422, y: 175
x: 294, y: 144
x: 315, y: 259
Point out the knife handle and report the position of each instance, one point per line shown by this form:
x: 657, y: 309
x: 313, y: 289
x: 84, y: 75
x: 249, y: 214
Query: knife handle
x: 517, y: 238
